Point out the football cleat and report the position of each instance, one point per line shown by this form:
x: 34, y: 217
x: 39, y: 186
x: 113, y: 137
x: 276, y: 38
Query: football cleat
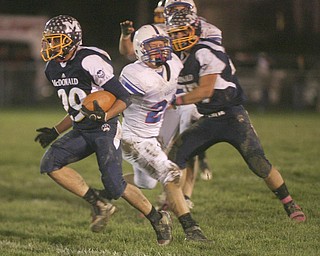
x: 206, y: 174
x: 163, y: 229
x: 295, y: 212
x: 101, y: 214
x: 194, y: 233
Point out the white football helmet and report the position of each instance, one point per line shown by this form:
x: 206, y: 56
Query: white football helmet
x: 170, y: 5
x: 146, y: 53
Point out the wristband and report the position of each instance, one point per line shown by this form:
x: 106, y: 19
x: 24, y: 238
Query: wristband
x: 126, y: 37
x: 179, y: 101
x: 56, y: 130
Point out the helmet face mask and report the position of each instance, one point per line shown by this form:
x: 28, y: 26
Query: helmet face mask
x: 53, y: 46
x: 152, y: 46
x: 184, y: 42
x: 62, y: 34
x: 184, y: 29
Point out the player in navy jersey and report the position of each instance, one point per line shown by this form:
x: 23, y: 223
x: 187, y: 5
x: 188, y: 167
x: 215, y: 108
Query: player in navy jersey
x: 209, y: 75
x: 76, y: 71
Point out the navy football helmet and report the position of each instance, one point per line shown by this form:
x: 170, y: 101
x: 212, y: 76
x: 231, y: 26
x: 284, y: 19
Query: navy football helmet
x: 184, y: 29
x: 61, y: 35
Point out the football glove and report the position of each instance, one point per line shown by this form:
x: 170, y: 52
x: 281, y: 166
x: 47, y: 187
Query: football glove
x: 46, y: 136
x: 97, y: 114
x: 126, y: 28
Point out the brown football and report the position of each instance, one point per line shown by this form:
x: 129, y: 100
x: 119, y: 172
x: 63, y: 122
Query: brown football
x: 105, y: 100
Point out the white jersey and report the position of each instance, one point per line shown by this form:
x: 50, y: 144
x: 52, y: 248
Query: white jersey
x: 152, y: 90
x: 210, y: 31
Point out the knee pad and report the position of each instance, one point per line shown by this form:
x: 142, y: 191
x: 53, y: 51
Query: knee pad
x: 114, y: 189
x: 48, y: 162
x: 259, y: 165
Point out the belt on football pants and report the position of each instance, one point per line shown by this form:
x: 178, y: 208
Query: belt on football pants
x: 216, y: 114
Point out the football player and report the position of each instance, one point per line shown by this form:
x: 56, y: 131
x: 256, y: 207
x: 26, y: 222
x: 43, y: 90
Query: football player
x: 209, y: 31
x: 178, y: 119
x: 127, y: 29
x: 152, y: 82
x: 175, y: 120
x: 215, y: 90
x: 76, y: 71
x: 158, y: 13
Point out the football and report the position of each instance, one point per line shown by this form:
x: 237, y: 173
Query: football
x: 105, y: 100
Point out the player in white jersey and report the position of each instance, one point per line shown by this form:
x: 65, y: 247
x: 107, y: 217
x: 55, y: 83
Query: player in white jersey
x: 152, y: 81
x: 208, y: 30
x: 176, y: 120
x: 127, y: 29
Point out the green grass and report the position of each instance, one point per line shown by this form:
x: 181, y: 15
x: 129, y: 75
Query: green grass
x: 235, y: 209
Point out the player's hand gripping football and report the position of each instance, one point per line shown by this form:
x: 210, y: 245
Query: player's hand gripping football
x: 126, y: 28
x: 46, y: 136
x: 97, y: 114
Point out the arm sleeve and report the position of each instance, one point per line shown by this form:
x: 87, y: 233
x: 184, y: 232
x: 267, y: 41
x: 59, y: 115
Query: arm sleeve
x: 116, y: 88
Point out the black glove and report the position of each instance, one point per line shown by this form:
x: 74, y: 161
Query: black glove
x: 46, y: 136
x: 97, y: 114
x: 126, y: 28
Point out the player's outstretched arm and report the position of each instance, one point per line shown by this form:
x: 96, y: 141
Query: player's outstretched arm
x: 47, y: 135
x: 125, y: 43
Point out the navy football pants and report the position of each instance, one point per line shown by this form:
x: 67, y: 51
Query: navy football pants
x: 233, y: 127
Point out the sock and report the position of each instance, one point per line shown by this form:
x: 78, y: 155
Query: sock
x: 202, y: 161
x: 103, y: 194
x: 283, y: 194
x: 154, y: 216
x: 91, y: 197
x: 186, y: 221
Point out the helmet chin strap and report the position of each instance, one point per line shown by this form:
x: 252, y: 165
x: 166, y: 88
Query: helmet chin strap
x: 68, y: 56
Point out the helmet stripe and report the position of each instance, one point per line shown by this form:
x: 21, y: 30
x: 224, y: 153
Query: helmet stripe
x: 156, y: 29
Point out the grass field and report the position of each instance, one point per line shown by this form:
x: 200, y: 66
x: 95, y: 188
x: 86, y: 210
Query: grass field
x: 235, y: 209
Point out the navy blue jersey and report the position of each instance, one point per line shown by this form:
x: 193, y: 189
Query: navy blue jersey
x: 225, y: 119
x: 205, y: 58
x: 89, y: 70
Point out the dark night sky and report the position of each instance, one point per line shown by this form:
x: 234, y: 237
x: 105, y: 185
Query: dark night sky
x: 99, y: 18
x: 100, y: 21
